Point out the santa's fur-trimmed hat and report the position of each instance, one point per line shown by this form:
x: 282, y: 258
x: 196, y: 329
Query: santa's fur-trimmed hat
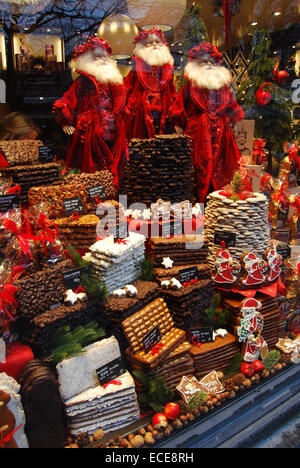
x: 90, y: 44
x: 144, y: 34
x: 205, y: 49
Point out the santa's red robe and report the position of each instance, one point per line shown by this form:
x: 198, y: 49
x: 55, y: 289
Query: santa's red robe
x: 96, y: 111
x: 205, y: 115
x: 149, y: 89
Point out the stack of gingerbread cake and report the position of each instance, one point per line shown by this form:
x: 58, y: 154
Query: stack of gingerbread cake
x: 122, y: 304
x: 183, y: 258
x: 156, y: 346
x: 117, y: 262
x: 89, y: 405
x: 42, y: 309
x: 216, y: 355
x: 159, y: 168
x: 269, y: 311
x: 45, y: 416
x: 28, y: 176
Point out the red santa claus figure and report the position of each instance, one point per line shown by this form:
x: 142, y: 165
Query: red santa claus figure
x: 91, y: 111
x: 255, y: 268
x: 150, y: 86
x: 206, y: 110
x: 226, y: 268
x: 250, y: 330
x: 274, y: 261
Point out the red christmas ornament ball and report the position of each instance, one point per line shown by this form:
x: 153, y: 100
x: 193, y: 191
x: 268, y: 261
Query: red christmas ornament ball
x: 172, y: 411
x: 282, y: 77
x: 263, y: 98
x: 258, y: 366
x: 159, y: 421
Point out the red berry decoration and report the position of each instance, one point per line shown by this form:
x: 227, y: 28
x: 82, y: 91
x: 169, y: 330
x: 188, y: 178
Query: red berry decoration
x: 172, y: 411
x: 247, y: 369
x: 263, y: 97
x: 258, y: 366
x: 283, y: 77
x: 159, y: 421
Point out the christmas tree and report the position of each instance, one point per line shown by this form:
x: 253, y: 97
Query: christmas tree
x: 273, y: 113
x: 195, y: 33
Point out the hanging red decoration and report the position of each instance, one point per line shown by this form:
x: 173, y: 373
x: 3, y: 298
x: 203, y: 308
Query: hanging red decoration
x: 264, y: 97
x: 227, y: 8
x: 282, y: 77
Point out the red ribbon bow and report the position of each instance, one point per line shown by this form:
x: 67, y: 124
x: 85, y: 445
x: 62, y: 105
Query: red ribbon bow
x: 9, y: 436
x: 196, y: 342
x: 79, y: 290
x: 21, y: 236
x: 75, y: 215
x: 122, y: 241
x: 113, y: 382
x: 47, y: 233
x: 157, y: 348
x: 7, y: 298
x: 190, y: 282
x: 98, y: 200
x: 16, y: 189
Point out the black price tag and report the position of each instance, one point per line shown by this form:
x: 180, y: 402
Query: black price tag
x: 151, y: 339
x: 98, y: 192
x: 202, y: 335
x: 111, y: 371
x: 9, y: 202
x: 188, y: 275
x: 46, y: 154
x: 225, y: 236
x: 73, y: 205
x: 73, y: 278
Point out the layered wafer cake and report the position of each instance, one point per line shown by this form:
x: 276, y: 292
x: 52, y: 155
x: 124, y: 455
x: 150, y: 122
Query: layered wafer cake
x: 45, y: 416
x: 159, y: 168
x: 269, y: 311
x: 216, y: 355
x: 28, y: 176
x: 117, y: 262
x: 122, y: 304
x: 90, y: 405
x: 242, y: 225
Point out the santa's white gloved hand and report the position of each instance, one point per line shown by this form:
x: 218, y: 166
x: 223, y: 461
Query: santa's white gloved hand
x: 68, y: 129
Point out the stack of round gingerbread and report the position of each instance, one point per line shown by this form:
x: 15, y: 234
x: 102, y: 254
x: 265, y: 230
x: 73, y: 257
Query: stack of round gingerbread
x: 242, y: 224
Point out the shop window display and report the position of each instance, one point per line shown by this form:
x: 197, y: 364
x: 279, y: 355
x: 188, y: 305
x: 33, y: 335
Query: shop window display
x: 149, y: 217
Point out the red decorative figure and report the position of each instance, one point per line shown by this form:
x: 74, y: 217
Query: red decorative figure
x: 150, y: 86
x: 274, y: 261
x: 92, y: 111
x: 254, y: 267
x: 225, y: 268
x: 250, y: 330
x: 206, y: 110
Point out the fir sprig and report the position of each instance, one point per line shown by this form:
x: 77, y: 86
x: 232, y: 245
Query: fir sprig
x: 147, y: 273
x: 197, y: 400
x: 272, y: 359
x: 67, y: 343
x: 155, y: 394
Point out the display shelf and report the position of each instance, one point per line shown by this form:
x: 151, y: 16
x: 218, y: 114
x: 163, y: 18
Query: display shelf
x: 240, y: 423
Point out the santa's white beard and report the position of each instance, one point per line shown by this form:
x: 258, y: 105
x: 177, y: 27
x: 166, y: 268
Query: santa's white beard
x: 105, y: 71
x: 155, y: 57
x: 206, y: 76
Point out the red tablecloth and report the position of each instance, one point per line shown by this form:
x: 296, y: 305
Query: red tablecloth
x: 18, y: 355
